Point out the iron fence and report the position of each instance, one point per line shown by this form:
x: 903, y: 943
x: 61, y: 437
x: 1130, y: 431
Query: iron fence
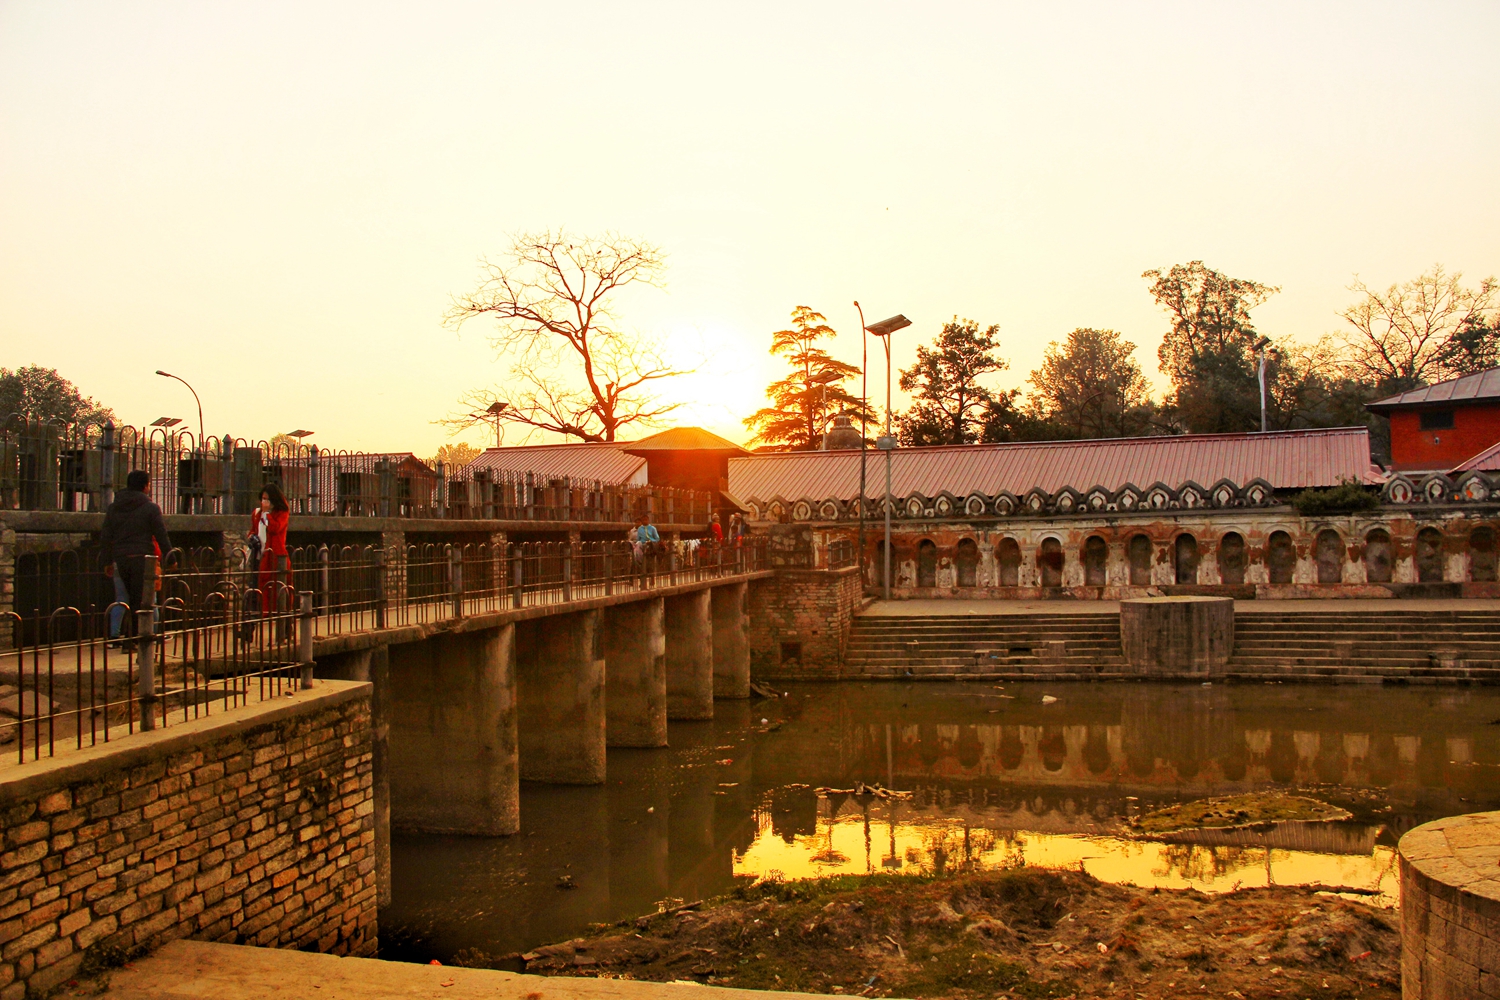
x: 80, y: 663
x: 77, y: 467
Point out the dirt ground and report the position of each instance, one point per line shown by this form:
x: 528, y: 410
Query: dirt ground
x: 1018, y: 933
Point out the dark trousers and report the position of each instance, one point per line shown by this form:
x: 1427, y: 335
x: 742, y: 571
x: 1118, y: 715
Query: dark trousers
x: 132, y: 570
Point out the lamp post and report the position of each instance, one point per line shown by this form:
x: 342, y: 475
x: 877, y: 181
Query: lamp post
x: 1260, y: 357
x: 886, y: 443
x: 195, y: 399
x: 864, y: 408
x: 493, y: 411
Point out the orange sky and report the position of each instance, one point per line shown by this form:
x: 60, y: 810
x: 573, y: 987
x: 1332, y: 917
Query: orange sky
x: 277, y: 200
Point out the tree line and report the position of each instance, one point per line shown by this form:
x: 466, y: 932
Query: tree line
x: 1089, y: 384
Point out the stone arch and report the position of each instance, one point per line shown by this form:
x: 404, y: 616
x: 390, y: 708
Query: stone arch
x: 1095, y: 561
x: 1377, y: 556
x: 1232, y: 558
x: 1008, y: 557
x: 967, y: 561
x: 1429, y: 556
x: 1281, y: 557
x: 1138, y: 554
x: 927, y: 563
x: 1049, y: 559
x: 1482, y: 554
x: 1185, y: 558
x: 1328, y: 553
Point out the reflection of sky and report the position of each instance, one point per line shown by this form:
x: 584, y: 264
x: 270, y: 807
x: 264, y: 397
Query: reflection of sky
x: 842, y: 846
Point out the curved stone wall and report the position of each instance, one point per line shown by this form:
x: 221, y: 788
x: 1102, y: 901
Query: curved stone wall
x: 1450, y: 908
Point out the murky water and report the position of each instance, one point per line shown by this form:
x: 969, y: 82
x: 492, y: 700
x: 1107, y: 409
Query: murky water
x: 996, y: 777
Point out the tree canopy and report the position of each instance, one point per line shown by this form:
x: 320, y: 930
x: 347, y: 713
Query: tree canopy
x: 42, y: 394
x: 949, y: 402
x: 1089, y: 386
x: 574, y: 370
x: 1208, y: 351
x: 811, y: 393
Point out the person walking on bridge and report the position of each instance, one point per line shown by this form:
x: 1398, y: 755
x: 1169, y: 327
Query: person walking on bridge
x: 133, y: 530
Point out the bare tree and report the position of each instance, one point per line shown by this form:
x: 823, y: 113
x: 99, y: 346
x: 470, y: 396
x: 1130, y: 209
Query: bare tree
x: 1411, y: 334
x: 574, y: 371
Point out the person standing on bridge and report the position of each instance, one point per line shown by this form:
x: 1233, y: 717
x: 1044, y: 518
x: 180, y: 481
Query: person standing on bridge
x: 133, y: 530
x: 268, y: 537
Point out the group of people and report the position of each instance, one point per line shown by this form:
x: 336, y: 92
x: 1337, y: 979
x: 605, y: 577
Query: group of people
x: 134, y: 529
x: 645, y: 541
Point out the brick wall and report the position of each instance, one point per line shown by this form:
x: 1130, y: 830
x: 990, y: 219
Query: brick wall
x: 802, y: 612
x: 1450, y: 909
x: 254, y: 827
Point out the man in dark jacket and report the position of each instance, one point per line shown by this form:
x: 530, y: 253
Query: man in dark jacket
x: 131, y: 525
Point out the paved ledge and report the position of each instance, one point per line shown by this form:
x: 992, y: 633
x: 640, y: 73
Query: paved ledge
x: 125, y: 750
x: 198, y: 970
x: 348, y: 642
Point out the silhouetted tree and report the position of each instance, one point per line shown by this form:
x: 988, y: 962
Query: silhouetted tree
x: 948, y: 401
x: 42, y: 394
x: 1425, y: 330
x: 1090, y: 386
x: 811, y: 394
x: 574, y: 371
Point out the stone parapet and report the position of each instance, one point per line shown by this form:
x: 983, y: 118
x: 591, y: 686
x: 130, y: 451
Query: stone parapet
x: 800, y: 621
x: 1172, y: 636
x: 254, y: 826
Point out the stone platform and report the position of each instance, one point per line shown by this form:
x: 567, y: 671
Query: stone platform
x: 197, y: 970
x: 1450, y: 908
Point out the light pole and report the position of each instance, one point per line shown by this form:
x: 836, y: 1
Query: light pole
x: 864, y: 408
x: 195, y: 399
x: 494, y: 411
x: 1260, y: 357
x: 886, y: 443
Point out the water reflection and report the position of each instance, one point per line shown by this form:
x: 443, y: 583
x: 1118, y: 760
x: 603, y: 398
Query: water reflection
x: 995, y: 778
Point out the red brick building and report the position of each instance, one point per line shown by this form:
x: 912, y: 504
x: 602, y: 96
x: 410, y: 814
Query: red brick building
x: 1440, y: 427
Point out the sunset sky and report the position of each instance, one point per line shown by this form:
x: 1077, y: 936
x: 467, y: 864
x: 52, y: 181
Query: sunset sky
x: 276, y: 201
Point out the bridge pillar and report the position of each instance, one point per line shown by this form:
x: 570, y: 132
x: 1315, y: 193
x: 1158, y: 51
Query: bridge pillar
x: 635, y: 670
x: 453, y: 734
x: 731, y: 627
x: 374, y: 667
x: 690, y: 656
x: 560, y: 691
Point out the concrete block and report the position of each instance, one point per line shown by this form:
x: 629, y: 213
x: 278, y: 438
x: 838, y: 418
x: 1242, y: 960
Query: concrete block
x: 1177, y: 635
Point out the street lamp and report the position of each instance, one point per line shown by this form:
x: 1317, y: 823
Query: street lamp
x: 195, y: 399
x: 1260, y: 357
x: 886, y: 443
x: 494, y: 411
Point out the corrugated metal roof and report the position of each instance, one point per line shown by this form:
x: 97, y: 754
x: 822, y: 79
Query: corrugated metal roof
x: 1486, y: 461
x: 1285, y: 459
x: 605, y: 462
x: 1483, y: 385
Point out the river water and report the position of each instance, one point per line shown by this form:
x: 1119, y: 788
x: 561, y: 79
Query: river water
x: 995, y: 776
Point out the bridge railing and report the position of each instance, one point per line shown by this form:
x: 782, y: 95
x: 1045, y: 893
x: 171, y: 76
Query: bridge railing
x: 82, y: 661
x: 48, y: 465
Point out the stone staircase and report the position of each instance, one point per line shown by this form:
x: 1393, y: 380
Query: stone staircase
x: 1411, y: 646
x: 1370, y: 647
x: 1061, y: 645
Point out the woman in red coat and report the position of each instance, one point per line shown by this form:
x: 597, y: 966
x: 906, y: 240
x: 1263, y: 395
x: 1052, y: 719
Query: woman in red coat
x: 268, y: 527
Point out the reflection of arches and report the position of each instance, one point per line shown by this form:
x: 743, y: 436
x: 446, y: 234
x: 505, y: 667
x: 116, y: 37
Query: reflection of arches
x: 1185, y: 556
x: 1429, y: 556
x: 926, y: 564
x: 1095, y: 558
x: 1010, y: 562
x: 1049, y: 559
x: 1482, y: 555
x: 1139, y: 554
x: 1281, y: 558
x: 1096, y: 750
x: 1053, y: 748
x: 1232, y: 558
x: 968, y: 563
x: 1378, y: 556
x: 1011, y: 749
x: 1329, y: 554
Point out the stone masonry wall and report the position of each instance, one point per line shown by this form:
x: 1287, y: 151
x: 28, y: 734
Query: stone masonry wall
x: 1450, y: 909
x: 800, y: 620
x: 255, y: 826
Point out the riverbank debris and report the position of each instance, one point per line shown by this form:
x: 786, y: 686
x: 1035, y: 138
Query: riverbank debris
x: 762, y: 690
x: 860, y: 788
x: 1017, y: 932
x: 1237, y: 812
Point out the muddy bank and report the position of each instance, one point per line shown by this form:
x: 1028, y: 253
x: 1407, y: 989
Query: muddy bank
x: 1023, y: 933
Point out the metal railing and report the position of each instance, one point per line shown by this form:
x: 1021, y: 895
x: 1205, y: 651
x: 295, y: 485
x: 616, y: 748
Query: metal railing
x: 80, y: 666
x: 77, y: 467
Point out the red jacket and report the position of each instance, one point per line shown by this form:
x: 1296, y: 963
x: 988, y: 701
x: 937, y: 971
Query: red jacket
x: 275, y: 530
